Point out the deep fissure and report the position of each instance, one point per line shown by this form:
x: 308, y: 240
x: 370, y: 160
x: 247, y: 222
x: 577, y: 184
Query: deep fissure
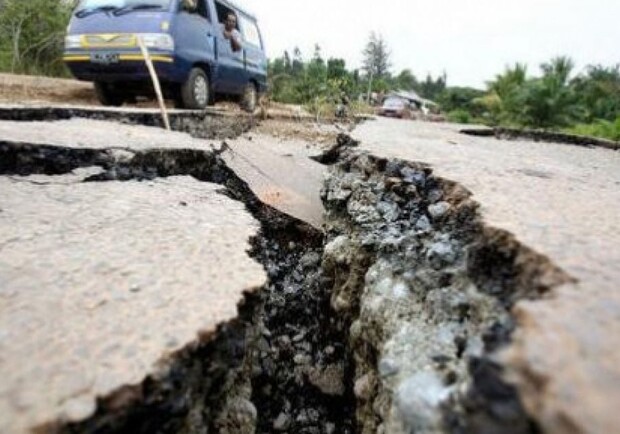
x: 387, y: 323
x: 430, y: 288
x: 280, y: 366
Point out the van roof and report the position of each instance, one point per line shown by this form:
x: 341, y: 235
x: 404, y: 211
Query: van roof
x: 231, y: 4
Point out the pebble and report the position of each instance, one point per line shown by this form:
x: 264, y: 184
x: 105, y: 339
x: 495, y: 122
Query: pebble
x: 388, y: 368
x: 282, y: 422
x: 423, y: 224
x: 389, y: 211
x: 435, y: 195
x: 440, y: 254
x: 302, y: 359
x: 361, y: 388
x: 413, y: 176
x: 310, y: 260
x: 418, y: 400
x: 330, y: 428
x: 438, y: 210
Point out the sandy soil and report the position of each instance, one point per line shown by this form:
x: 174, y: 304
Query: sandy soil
x: 33, y: 89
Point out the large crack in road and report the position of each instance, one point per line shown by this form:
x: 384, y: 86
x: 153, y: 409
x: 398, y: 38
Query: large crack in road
x: 429, y: 290
x: 389, y: 322
x: 280, y: 366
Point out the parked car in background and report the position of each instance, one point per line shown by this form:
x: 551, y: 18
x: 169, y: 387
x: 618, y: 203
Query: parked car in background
x: 193, y: 59
x: 396, y: 108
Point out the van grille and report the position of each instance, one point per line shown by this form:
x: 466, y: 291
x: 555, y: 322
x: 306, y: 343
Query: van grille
x: 108, y: 41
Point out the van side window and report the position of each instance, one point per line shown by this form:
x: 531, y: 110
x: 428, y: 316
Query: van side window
x: 222, y: 13
x: 202, y: 9
x: 250, y: 32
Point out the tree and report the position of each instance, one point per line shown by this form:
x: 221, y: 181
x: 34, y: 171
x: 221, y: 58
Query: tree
x: 599, y: 92
x: 297, y: 67
x: 503, y: 102
x: 31, y: 35
x: 431, y: 88
x: 460, y: 98
x: 406, y: 80
x: 336, y: 68
x: 287, y: 62
x: 376, y: 54
x: 549, y: 101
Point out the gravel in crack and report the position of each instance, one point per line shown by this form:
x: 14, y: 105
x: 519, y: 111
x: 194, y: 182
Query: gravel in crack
x: 301, y: 378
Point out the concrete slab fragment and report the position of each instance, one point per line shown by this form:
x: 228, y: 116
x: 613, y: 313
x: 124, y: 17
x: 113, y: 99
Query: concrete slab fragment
x: 280, y: 173
x: 101, y: 282
x: 95, y: 134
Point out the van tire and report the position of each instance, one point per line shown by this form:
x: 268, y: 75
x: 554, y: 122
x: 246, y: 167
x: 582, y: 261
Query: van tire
x: 196, y: 91
x: 249, y: 99
x: 107, y: 96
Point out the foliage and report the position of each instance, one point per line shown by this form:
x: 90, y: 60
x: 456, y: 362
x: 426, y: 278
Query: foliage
x: 31, y: 36
x: 599, y: 92
x: 459, y: 116
x: 550, y: 101
x: 461, y: 99
x: 600, y: 128
x: 587, y: 104
x: 406, y: 80
x: 431, y: 88
x: 503, y: 101
x: 318, y: 83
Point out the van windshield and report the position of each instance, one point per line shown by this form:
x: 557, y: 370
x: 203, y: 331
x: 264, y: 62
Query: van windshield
x: 88, y: 6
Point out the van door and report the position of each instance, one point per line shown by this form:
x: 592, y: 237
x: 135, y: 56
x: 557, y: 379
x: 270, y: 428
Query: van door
x: 194, y: 37
x: 231, y: 75
x: 254, y: 55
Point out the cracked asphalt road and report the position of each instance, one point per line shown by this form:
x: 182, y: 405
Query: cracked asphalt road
x: 560, y: 200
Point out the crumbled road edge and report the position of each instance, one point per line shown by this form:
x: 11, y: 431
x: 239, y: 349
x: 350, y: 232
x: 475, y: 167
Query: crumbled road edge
x: 428, y: 289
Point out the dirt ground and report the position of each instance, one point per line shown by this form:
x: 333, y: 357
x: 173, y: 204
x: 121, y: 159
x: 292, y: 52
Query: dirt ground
x: 27, y: 89
x: 33, y: 89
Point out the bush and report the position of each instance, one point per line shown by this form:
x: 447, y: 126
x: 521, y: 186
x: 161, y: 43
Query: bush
x: 459, y: 116
x: 31, y: 36
x: 601, y: 128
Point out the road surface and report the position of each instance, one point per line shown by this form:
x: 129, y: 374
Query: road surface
x: 103, y: 281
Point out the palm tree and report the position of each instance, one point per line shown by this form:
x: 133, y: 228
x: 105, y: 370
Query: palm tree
x: 503, y: 101
x: 550, y: 101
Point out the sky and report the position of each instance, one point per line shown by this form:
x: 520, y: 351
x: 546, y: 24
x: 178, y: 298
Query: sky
x: 471, y: 40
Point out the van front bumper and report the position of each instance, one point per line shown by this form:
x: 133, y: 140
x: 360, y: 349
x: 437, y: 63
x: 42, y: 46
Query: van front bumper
x: 129, y: 67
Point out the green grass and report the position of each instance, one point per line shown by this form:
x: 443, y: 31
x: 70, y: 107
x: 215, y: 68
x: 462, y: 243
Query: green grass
x: 602, y: 129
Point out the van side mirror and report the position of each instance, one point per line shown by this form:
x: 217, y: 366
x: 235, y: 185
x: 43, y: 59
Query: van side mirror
x: 189, y: 5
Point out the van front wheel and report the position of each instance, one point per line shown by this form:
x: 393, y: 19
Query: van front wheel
x: 196, y: 91
x: 108, y: 96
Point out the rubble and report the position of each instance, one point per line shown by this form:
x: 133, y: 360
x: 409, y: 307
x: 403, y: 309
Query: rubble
x: 421, y: 323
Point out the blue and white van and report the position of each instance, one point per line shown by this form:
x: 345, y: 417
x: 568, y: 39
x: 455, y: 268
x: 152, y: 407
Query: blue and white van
x: 185, y: 38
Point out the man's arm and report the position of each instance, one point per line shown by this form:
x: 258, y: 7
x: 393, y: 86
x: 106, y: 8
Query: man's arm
x: 235, y: 40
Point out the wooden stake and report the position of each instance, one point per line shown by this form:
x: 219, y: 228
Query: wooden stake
x: 155, y: 79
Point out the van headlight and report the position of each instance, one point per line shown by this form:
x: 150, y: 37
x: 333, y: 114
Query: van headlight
x: 73, y: 42
x: 160, y: 41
